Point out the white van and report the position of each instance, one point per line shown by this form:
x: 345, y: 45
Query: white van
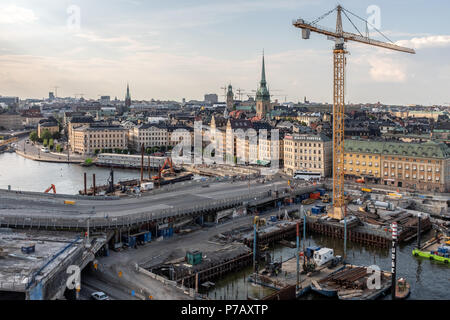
x: 323, y: 256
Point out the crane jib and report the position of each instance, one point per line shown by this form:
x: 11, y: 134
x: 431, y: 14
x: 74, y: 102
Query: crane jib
x: 347, y: 36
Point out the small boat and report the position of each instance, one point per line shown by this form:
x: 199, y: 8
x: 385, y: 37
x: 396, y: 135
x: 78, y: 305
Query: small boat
x: 402, y: 289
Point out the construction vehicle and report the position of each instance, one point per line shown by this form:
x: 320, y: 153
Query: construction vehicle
x: 325, y: 198
x: 52, y: 187
x: 360, y: 180
x: 259, y: 222
x: 162, y: 171
x: 340, y: 37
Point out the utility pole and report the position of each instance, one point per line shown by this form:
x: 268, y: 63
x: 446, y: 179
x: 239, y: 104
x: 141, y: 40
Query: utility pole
x: 394, y: 259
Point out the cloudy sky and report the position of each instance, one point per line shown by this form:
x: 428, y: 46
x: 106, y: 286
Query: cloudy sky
x: 184, y: 49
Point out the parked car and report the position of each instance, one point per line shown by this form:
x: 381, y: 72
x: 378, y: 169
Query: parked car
x: 99, y: 296
x: 45, y: 150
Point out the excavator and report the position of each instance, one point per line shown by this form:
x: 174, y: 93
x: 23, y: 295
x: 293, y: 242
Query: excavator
x: 162, y: 171
x: 52, y: 187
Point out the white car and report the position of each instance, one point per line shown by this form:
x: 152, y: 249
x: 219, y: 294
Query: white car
x: 99, y: 296
x: 45, y: 150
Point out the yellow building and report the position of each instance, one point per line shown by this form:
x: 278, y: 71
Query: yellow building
x: 88, y: 139
x: 417, y: 166
x: 51, y: 127
x: 362, y: 159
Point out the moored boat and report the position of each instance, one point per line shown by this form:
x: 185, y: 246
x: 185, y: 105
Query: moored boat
x: 402, y: 289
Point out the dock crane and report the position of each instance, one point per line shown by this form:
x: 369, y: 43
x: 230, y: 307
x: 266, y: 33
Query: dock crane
x: 340, y: 37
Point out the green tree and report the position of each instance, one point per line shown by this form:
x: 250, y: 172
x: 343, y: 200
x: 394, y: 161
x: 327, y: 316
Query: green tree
x: 46, y: 135
x: 34, y: 136
x: 45, y: 142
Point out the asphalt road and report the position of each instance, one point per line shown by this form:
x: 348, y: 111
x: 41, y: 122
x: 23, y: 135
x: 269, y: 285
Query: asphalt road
x: 24, y: 204
x: 34, y: 150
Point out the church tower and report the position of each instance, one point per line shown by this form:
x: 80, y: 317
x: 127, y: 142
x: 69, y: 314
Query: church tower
x: 128, y: 98
x: 230, y: 98
x: 262, y: 95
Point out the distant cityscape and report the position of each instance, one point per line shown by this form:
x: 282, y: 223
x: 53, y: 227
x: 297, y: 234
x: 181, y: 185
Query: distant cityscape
x: 404, y: 146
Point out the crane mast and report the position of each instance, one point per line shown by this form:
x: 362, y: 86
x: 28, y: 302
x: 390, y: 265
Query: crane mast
x: 338, y: 122
x: 340, y: 37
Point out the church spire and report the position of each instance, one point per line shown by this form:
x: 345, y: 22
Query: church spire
x: 263, y: 72
x: 128, y: 97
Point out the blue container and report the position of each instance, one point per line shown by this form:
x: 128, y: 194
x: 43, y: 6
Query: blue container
x: 28, y: 250
x: 322, y: 208
x: 273, y: 218
x: 129, y: 241
x: 310, y: 251
x: 315, y: 210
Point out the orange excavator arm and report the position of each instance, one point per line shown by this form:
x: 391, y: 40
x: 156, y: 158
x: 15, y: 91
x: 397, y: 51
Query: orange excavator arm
x: 167, y: 162
x: 52, y: 187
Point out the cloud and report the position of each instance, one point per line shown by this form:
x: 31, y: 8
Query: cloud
x: 426, y: 42
x: 13, y: 14
x: 123, y: 42
x: 386, y: 70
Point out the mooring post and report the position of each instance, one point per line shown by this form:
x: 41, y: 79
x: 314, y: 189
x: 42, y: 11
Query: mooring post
x: 85, y: 184
x: 298, y: 255
x: 394, y: 258
x: 419, y: 216
x: 93, y: 182
x: 254, y: 249
x: 345, y: 237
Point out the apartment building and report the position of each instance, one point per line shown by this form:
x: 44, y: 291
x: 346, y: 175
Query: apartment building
x: 76, y: 122
x: 420, y: 166
x: 149, y: 135
x: 362, y: 159
x: 51, y: 127
x: 308, y: 152
x: 89, y: 138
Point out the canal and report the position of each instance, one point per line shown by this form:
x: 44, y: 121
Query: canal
x: 28, y: 175
x: 430, y: 280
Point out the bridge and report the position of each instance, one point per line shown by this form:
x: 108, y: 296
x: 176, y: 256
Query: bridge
x: 47, y: 211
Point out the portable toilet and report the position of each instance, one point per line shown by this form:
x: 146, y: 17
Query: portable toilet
x: 194, y: 257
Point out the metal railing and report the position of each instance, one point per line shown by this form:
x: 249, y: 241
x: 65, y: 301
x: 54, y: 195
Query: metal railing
x: 132, y: 219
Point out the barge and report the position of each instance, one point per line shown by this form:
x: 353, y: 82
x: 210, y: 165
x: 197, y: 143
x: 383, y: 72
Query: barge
x: 437, y: 249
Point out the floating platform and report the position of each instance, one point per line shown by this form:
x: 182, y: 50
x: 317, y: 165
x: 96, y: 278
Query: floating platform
x: 351, y: 283
x: 429, y: 249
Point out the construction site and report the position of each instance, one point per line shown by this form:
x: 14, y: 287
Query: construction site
x: 170, y: 236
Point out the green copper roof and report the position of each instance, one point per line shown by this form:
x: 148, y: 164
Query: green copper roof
x: 430, y: 149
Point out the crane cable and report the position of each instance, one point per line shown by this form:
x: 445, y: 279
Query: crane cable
x: 323, y: 16
x: 368, y: 23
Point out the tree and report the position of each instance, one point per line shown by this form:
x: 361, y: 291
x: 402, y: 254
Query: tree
x: 34, y: 136
x: 46, y: 135
x: 56, y: 135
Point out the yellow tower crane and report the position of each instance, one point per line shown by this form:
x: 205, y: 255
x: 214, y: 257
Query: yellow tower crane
x: 340, y: 37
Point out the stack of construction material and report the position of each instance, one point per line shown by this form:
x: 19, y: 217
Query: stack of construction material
x: 349, y: 278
